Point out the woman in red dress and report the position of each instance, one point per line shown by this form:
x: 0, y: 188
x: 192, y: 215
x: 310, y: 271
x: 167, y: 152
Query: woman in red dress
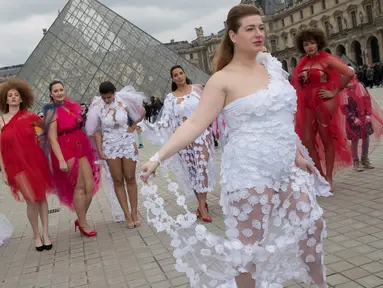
x: 23, y: 163
x: 76, y: 174
x: 319, y: 79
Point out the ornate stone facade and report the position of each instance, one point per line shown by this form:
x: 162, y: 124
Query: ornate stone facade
x: 200, y: 51
x: 354, y: 28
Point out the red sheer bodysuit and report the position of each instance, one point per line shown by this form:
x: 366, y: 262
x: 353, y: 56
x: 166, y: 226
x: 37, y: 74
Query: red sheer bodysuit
x: 320, y: 123
x: 24, y: 161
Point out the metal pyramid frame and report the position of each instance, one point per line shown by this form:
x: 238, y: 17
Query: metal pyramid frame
x: 89, y: 43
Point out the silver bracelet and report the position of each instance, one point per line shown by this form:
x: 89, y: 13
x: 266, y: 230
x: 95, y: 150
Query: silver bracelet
x: 156, y: 158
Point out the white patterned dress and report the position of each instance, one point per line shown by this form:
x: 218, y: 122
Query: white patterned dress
x: 194, y: 166
x: 117, y: 142
x: 274, y: 228
x: 112, y: 120
x: 6, y: 229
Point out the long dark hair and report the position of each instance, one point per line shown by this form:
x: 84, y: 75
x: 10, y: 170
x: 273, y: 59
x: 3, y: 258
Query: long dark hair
x: 174, y: 85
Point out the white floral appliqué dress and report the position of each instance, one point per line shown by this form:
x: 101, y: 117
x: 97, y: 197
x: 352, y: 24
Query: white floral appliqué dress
x: 194, y: 166
x: 273, y: 223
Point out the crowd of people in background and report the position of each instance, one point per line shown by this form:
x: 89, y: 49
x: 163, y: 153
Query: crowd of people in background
x: 371, y: 75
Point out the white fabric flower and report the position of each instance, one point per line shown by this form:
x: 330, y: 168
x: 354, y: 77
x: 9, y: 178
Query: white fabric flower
x: 311, y: 242
x: 253, y: 199
x: 175, y: 242
x: 247, y: 232
x: 200, y: 229
x: 181, y: 200
x: 256, y: 224
x: 205, y: 252
x: 219, y: 249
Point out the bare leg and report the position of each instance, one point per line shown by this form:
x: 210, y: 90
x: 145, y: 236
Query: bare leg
x: 116, y: 171
x: 88, y: 181
x: 308, y: 140
x: 311, y: 255
x: 43, y: 211
x: 80, y: 201
x: 202, y: 180
x: 33, y: 217
x: 245, y: 280
x: 329, y: 148
x: 32, y: 206
x: 129, y: 168
x: 201, y: 198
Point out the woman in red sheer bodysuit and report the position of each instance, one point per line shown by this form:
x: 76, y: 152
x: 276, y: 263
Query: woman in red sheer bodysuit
x: 75, y: 172
x: 319, y: 79
x: 23, y: 163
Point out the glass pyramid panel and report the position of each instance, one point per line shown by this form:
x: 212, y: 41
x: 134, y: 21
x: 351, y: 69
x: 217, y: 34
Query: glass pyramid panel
x: 88, y: 43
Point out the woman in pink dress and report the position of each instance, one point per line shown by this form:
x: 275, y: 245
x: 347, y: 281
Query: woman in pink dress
x: 76, y: 174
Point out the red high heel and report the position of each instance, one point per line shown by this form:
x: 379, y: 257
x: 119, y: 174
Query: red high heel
x: 199, y: 216
x: 87, y: 234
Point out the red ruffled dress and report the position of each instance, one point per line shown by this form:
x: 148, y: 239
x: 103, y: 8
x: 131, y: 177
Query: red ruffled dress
x: 74, y: 144
x: 27, y: 168
x: 315, y: 115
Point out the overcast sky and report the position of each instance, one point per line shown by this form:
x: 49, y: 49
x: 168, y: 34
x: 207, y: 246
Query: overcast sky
x: 22, y: 21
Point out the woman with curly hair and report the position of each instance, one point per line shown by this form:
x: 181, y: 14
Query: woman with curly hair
x: 320, y: 79
x: 75, y: 172
x: 23, y: 163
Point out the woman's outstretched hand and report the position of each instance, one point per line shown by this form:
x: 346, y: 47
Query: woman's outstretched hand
x: 148, y: 169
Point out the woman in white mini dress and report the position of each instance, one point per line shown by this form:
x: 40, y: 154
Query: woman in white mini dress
x: 112, y: 119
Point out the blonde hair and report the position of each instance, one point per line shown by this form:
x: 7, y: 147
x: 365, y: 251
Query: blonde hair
x: 225, y: 51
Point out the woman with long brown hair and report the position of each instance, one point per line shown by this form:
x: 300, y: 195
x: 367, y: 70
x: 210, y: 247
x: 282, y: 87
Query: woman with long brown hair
x: 23, y: 164
x: 274, y: 225
x: 77, y: 176
x: 194, y: 165
x: 320, y: 79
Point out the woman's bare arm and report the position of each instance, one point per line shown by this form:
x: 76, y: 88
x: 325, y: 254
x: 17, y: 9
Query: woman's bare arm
x: 343, y: 69
x: 98, y: 140
x: 52, y: 137
x: 211, y: 104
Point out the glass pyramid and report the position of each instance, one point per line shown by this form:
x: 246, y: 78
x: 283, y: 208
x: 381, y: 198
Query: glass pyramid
x: 88, y: 43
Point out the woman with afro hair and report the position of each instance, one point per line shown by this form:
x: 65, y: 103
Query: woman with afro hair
x: 320, y: 79
x: 23, y: 163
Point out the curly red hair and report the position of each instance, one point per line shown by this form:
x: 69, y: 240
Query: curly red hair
x: 22, y: 87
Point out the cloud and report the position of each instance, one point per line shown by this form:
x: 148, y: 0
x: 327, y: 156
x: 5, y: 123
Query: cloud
x: 21, y: 22
x: 21, y: 37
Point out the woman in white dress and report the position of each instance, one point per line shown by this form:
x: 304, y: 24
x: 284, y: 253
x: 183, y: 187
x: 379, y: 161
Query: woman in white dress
x: 194, y: 165
x: 274, y: 225
x: 112, y: 119
x: 6, y: 229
